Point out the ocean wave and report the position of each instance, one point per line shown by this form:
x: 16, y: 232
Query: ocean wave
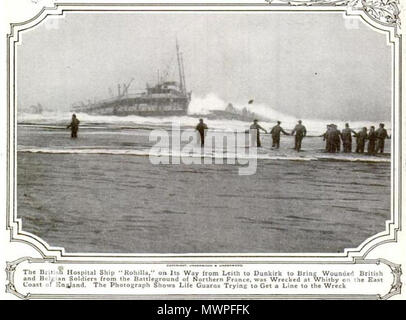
x: 216, y: 154
x: 199, y: 106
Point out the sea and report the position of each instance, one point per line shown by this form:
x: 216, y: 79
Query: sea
x: 103, y: 193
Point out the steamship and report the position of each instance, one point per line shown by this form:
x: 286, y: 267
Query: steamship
x: 165, y: 98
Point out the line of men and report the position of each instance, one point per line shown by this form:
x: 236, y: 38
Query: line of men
x: 333, y: 137
x: 376, y: 139
x: 299, y: 131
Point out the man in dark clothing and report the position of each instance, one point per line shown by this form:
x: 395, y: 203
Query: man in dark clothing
x: 330, y: 136
x: 300, y: 131
x: 74, y: 126
x: 255, y: 126
x: 336, y: 138
x: 325, y: 137
x: 381, y: 135
x: 276, y: 135
x: 201, y: 127
x: 371, y: 140
x: 346, y: 137
x: 333, y: 139
x: 361, y: 137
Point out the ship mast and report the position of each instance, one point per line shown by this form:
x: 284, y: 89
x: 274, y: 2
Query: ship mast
x: 183, y: 73
x: 126, y: 86
x: 179, y: 67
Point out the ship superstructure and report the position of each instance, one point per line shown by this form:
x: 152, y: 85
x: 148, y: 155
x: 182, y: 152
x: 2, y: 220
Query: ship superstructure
x: 163, y: 99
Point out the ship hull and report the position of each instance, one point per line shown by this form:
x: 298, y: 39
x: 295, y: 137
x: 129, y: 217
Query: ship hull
x: 140, y: 107
x: 145, y: 113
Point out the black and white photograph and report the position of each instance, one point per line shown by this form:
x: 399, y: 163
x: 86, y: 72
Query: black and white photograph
x: 105, y: 99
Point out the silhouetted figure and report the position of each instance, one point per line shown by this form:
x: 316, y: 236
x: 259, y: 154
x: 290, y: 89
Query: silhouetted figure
x: 371, y: 140
x: 328, y: 136
x: 346, y: 137
x: 381, y: 135
x: 257, y: 127
x: 333, y: 139
x: 325, y: 136
x: 361, y: 137
x: 300, y: 131
x: 276, y: 135
x: 74, y: 126
x: 336, y: 138
x: 201, y: 127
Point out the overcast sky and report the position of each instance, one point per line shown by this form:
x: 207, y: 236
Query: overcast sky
x: 304, y: 64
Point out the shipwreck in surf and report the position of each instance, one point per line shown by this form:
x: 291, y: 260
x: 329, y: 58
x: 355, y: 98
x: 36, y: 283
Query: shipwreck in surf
x: 165, y: 98
x: 232, y: 113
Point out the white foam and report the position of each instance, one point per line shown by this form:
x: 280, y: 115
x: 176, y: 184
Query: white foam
x: 198, y: 105
x: 215, y: 154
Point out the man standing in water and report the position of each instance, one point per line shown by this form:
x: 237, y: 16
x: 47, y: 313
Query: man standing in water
x: 255, y: 126
x: 201, y: 127
x: 74, y: 126
x: 276, y: 135
x: 346, y: 136
x: 381, y: 135
x: 336, y: 138
x: 333, y: 139
x: 300, y: 134
x: 361, y: 136
x: 371, y: 140
x: 325, y: 136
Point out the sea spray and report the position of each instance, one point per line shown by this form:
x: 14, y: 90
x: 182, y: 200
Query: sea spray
x: 199, y: 106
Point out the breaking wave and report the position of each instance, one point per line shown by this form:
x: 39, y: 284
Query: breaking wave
x: 199, y: 106
x: 215, y: 154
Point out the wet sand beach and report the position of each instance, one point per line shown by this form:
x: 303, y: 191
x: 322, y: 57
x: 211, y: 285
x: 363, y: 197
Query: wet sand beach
x: 121, y: 203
